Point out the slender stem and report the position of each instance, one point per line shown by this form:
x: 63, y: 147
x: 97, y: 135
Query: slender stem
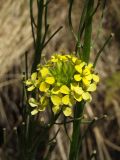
x: 46, y: 25
x: 70, y: 19
x: 52, y: 36
x: 38, y: 47
x: 32, y: 22
x: 76, y: 132
x: 96, y: 8
x: 88, y: 31
x: 70, y: 121
x: 81, y: 28
x: 100, y: 51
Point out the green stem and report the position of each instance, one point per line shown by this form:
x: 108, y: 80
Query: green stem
x: 70, y: 19
x: 38, y: 45
x: 88, y: 31
x: 76, y: 132
x: 81, y: 29
x: 32, y: 22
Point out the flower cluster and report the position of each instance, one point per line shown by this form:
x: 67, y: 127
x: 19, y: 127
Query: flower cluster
x: 60, y: 83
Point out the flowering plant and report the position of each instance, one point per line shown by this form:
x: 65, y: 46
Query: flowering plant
x: 63, y: 84
x: 60, y: 83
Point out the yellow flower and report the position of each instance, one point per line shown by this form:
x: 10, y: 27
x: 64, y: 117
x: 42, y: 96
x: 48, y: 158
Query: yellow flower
x: 78, y: 68
x: 74, y: 59
x: 64, y: 89
x: 86, y: 71
x: 78, y: 97
x: 67, y: 111
x: 56, y: 100
x: 85, y: 81
x: 44, y: 87
x: 54, y: 59
x: 86, y: 96
x: 50, y: 80
x: 33, y: 102
x: 34, y: 76
x: 66, y: 100
x: 38, y: 106
x: 90, y: 66
x: 77, y: 77
x: 75, y: 87
x: 95, y: 78
x: 32, y: 82
x: 55, y: 109
x: 35, y: 111
x: 44, y: 71
x: 91, y: 87
x: 55, y: 90
x: 61, y: 82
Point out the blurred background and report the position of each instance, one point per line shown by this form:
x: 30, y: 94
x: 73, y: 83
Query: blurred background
x: 16, y: 39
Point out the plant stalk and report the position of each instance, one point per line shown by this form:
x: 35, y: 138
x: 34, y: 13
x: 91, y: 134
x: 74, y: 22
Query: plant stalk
x: 76, y: 135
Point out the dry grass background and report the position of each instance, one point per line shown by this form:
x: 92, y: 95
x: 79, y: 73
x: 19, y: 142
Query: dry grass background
x: 16, y: 39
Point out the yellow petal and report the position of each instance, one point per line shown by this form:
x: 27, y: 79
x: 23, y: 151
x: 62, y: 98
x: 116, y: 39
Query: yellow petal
x: 82, y: 64
x: 90, y: 65
x: 92, y: 87
x: 44, y: 72
x: 86, y: 71
x: 35, y: 111
x: 68, y: 56
x: 74, y: 59
x: 77, y: 97
x: 86, y: 96
x: 50, y: 80
x: 52, y: 57
x: 78, y: 90
x: 55, y: 90
x: 72, y: 101
x: 96, y: 78
x: 33, y: 102
x: 78, y: 62
x: 64, y: 58
x: 78, y: 68
x: 55, y: 109
x: 85, y: 81
x: 28, y: 82
x: 31, y: 88
x: 67, y: 111
x: 43, y: 87
x: 34, y: 76
x: 89, y: 77
x: 77, y: 77
x: 37, y: 82
x: 73, y: 86
x: 56, y: 100
x: 66, y: 100
x: 64, y: 89
x: 54, y: 60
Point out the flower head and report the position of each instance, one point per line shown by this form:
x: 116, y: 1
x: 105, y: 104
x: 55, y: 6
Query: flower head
x: 61, y: 82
